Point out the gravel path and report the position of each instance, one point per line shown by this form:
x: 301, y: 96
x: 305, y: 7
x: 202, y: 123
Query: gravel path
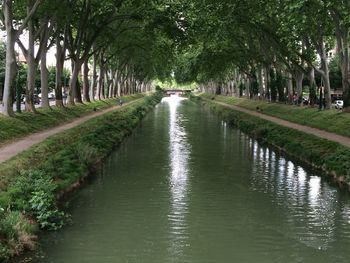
x: 10, y: 150
x: 309, y: 130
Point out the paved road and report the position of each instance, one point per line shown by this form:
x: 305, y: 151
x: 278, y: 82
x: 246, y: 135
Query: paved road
x: 12, y: 149
x: 343, y: 140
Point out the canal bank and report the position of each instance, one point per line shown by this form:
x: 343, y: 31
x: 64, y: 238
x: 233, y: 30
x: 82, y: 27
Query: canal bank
x: 32, y: 180
x: 187, y: 187
x: 332, y: 158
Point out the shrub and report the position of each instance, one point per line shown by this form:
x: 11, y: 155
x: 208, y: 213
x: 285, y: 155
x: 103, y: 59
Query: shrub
x: 33, y: 193
x: 23, y: 187
x: 43, y: 205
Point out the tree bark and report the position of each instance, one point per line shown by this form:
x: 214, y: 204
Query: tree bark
x: 10, y: 70
x: 60, y: 55
x: 94, y: 78
x: 116, y: 81
x: 111, y: 89
x: 290, y: 87
x: 299, y: 77
x: 108, y: 86
x: 261, y: 83
x: 324, y: 71
x: 100, y: 83
x: 30, y: 106
x: 44, y: 81
x: 86, y: 81
x: 74, y: 89
x: 247, y: 87
x: 267, y: 81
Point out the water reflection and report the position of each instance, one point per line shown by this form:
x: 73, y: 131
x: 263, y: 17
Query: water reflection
x: 179, y: 155
x: 309, y: 206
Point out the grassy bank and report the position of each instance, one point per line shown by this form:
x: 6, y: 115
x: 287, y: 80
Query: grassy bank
x: 31, y: 182
x: 328, y: 156
x: 26, y: 123
x: 333, y: 121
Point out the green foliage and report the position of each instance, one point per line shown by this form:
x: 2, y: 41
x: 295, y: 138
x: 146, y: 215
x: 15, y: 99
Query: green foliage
x: 43, y: 205
x: 52, y: 77
x: 33, y: 192
x: 4, y: 253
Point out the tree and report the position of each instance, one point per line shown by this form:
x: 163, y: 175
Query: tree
x: 10, y: 21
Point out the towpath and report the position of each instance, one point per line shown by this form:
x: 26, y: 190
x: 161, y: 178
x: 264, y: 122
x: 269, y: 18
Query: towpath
x: 345, y: 141
x: 12, y: 149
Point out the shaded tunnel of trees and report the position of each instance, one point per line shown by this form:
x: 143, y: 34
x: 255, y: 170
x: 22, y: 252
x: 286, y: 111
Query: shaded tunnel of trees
x: 263, y: 49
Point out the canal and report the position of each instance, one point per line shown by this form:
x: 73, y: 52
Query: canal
x: 185, y: 187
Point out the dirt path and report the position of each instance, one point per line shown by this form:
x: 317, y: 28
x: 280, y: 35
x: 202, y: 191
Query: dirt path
x: 309, y: 130
x: 12, y: 149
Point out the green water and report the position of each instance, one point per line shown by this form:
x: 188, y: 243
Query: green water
x: 188, y: 188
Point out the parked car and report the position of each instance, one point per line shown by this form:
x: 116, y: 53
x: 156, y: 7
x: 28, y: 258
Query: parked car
x: 36, y: 99
x: 339, y: 104
x: 51, y: 95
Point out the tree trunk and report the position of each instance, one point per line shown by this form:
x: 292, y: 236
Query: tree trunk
x: 30, y: 106
x: 325, y: 74
x: 60, y: 55
x: 10, y: 70
x: 74, y: 89
x: 100, y: 82
x: 111, y: 89
x: 94, y: 78
x: 44, y: 81
x: 290, y: 87
x: 115, y: 80
x: 247, y: 87
x: 261, y: 83
x: 106, y: 95
x: 267, y: 83
x: 299, y: 77
x: 312, y: 77
x: 86, y: 81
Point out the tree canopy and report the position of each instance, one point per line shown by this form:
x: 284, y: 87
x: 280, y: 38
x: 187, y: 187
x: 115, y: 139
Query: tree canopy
x: 224, y: 46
